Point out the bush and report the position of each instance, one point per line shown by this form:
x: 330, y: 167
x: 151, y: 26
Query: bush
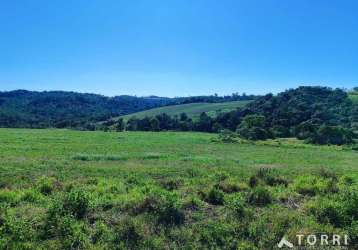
x: 253, y: 181
x: 31, y: 195
x: 227, y: 136
x: 253, y: 127
x: 271, y: 225
x: 231, y: 186
x: 270, y: 178
x: 217, y: 235
x: 193, y: 203
x: 280, y: 132
x: 339, y: 210
x: 128, y: 234
x: 73, y: 234
x: 334, y: 135
x: 353, y: 234
x: 46, y: 185
x: 311, y: 185
x: 237, y: 206
x: 260, y: 196
x: 164, y: 205
x: 276, y: 180
x: 77, y: 203
x: 215, y: 197
x: 327, y: 173
x: 16, y: 232
x: 327, y: 210
x: 347, y: 180
x: 171, y: 184
x: 349, y: 200
x: 102, y: 235
x: 9, y: 197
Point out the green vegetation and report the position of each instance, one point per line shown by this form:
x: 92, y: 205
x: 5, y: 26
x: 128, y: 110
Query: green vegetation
x: 63, y: 189
x: 60, y: 109
x: 353, y: 95
x: 193, y: 110
x: 317, y: 115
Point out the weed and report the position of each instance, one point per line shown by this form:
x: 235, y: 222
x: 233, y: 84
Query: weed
x: 259, y: 196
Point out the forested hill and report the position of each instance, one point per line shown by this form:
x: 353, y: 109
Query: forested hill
x: 285, y: 111
x: 317, y: 114
x: 31, y: 109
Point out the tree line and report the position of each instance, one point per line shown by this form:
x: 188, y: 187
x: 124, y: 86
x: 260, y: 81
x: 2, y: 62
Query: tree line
x: 60, y: 109
x: 316, y: 114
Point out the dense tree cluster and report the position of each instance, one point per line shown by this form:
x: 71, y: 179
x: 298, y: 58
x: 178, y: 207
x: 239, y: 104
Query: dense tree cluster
x: 316, y: 114
x: 216, y: 99
x: 61, y: 109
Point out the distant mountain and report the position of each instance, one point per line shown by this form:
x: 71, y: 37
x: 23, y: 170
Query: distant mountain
x: 31, y: 109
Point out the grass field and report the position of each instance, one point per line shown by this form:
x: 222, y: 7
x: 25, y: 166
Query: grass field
x: 63, y: 189
x: 193, y: 110
x: 354, y: 97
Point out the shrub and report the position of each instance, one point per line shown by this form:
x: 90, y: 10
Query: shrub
x: 46, y: 185
x: 128, y: 234
x: 193, y: 203
x: 77, y: 203
x: 310, y: 185
x: 215, y: 197
x: 217, y: 235
x: 327, y: 210
x: 231, y: 186
x: 280, y: 131
x: 276, y: 180
x: 262, y: 173
x: 227, y: 136
x: 171, y: 184
x: 349, y: 200
x: 221, y: 175
x: 253, y: 127
x: 133, y: 180
x: 335, y: 135
x: 73, y: 234
x: 331, y: 187
x: 259, y: 196
x: 237, y: 206
x: 347, y: 180
x: 327, y: 173
x: 270, y: 226
x: 9, y: 197
x: 164, y: 205
x: 101, y: 235
x: 31, y: 195
x: 253, y: 182
x: 339, y: 210
x: 269, y: 178
x: 353, y: 234
x: 15, y: 232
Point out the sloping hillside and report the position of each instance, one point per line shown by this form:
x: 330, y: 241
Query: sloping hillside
x: 32, y: 109
x: 354, y: 97
x: 193, y: 110
x: 61, y: 109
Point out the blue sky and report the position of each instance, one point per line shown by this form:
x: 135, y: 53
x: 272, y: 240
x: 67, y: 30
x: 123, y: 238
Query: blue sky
x: 177, y: 47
